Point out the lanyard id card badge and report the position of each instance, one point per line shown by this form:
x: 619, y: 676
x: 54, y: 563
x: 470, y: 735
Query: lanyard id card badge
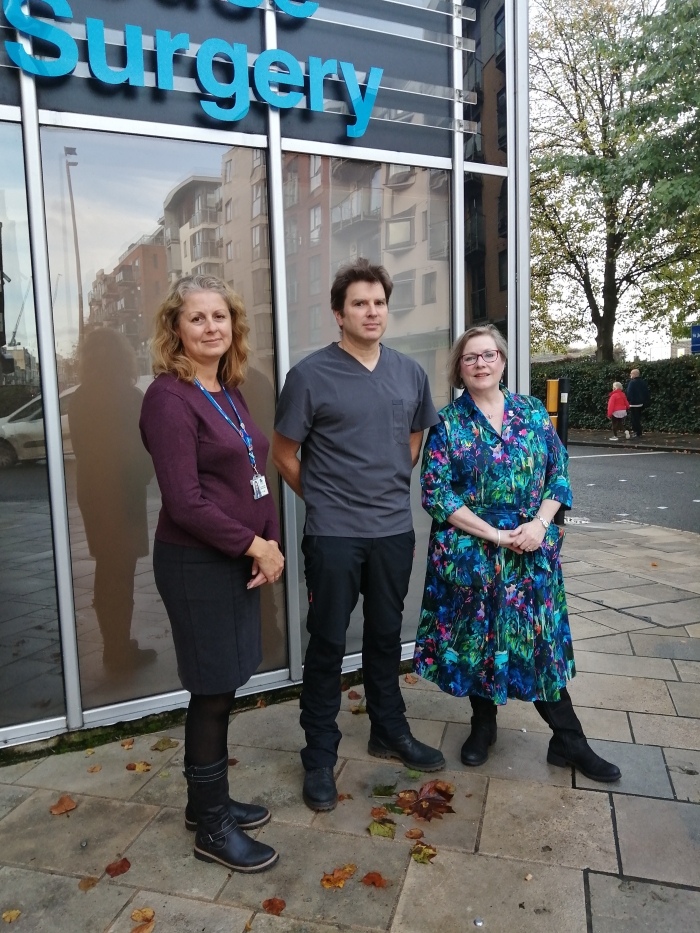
x: 258, y: 482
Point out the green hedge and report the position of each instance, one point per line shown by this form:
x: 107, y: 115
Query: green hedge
x: 674, y: 386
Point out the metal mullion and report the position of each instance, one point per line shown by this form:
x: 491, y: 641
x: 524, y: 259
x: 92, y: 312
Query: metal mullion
x: 513, y: 355
x: 282, y: 357
x: 50, y: 398
x: 458, y: 321
x: 521, y: 175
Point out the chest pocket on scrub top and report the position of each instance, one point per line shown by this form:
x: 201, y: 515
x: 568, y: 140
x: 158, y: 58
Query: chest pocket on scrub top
x: 399, y: 416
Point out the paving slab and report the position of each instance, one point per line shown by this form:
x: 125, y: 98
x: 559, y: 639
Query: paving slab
x: 457, y: 830
x: 579, y: 568
x: 643, y: 770
x: 11, y: 773
x: 551, y: 825
x: 516, y: 756
x: 167, y: 787
x: 424, y: 704
x: 30, y: 835
x: 679, y: 631
x: 686, y: 698
x: 670, y: 614
x: 613, y: 580
x: 618, y: 599
x: 355, y: 731
x: 578, y: 604
x: 54, y: 903
x: 597, y: 663
x: 674, y: 731
x: 495, y: 890
x: 661, y: 593
x: 304, y: 859
x: 272, y: 779
x: 637, y: 907
x: 597, y: 723
x: 689, y: 671
x: 11, y: 795
x: 603, y: 644
x: 583, y: 627
x: 618, y: 621
x: 684, y: 771
x: 182, y: 915
x: 655, y: 646
x: 69, y: 772
x: 579, y: 586
x: 275, y: 726
x: 162, y: 860
x: 265, y: 923
x: 613, y: 691
x: 659, y: 839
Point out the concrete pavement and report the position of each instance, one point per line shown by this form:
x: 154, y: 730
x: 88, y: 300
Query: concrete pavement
x: 529, y: 847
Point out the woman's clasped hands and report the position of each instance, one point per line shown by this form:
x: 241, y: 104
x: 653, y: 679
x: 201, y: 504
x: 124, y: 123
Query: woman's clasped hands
x: 528, y: 536
x: 268, y: 562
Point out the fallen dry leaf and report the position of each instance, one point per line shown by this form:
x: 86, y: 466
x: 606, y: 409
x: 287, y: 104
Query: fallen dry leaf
x: 344, y: 688
x: 338, y: 877
x: 359, y: 709
x: 163, y: 744
x: 248, y: 926
x: 423, y: 853
x: 342, y: 797
x: 232, y: 762
x: 528, y: 877
x: 378, y: 813
x: 261, y: 704
x: 411, y: 679
x: 373, y: 878
x: 385, y: 827
x: 354, y: 695
x: 144, y: 927
x: 143, y: 915
x: 63, y: 805
x: 274, y: 906
x: 89, y: 751
x: 128, y: 744
x: 11, y: 915
x: 120, y: 867
x: 654, y: 564
x: 94, y: 769
x: 384, y: 790
x: 415, y: 834
x: 430, y: 802
x: 140, y: 767
x: 85, y: 884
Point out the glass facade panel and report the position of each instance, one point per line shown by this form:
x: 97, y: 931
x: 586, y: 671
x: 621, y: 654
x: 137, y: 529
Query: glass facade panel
x: 125, y: 217
x: 486, y: 250
x: 31, y: 680
x: 485, y: 110
x: 398, y: 216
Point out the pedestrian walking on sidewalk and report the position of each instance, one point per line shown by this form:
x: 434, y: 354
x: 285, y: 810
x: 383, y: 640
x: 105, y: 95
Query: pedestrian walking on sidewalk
x: 618, y: 407
x: 494, y: 623
x: 216, y: 542
x: 639, y: 397
x: 358, y: 410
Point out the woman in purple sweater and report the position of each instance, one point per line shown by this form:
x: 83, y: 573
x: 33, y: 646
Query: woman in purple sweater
x: 217, y: 541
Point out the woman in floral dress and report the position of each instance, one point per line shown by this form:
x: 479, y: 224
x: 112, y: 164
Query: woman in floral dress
x: 494, y: 623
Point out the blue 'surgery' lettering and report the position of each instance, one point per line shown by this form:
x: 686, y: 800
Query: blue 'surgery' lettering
x: 278, y: 88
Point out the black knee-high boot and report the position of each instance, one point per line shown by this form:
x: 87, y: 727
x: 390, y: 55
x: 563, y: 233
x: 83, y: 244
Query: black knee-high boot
x: 475, y: 750
x: 219, y: 838
x: 247, y: 815
x: 568, y: 745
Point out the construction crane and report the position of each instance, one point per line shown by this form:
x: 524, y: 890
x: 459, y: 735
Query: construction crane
x: 13, y: 339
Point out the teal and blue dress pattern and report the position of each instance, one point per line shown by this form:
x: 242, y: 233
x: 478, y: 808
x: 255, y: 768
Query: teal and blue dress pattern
x: 494, y: 623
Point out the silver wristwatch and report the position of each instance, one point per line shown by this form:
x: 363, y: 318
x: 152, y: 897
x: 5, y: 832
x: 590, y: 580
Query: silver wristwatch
x: 544, y: 521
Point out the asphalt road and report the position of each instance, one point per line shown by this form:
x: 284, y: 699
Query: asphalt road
x: 656, y: 488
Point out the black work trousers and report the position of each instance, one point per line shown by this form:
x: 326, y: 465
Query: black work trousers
x: 636, y: 415
x: 337, y: 571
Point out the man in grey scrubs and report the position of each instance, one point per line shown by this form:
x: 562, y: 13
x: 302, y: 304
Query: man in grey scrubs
x: 358, y: 411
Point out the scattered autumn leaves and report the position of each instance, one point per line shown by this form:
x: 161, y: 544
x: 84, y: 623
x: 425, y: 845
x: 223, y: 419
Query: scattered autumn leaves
x: 274, y: 906
x: 140, y: 767
x: 338, y: 877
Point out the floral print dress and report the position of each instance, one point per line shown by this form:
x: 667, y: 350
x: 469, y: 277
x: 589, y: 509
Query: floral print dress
x: 494, y: 623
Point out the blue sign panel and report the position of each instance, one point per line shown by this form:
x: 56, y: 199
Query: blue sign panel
x: 695, y: 338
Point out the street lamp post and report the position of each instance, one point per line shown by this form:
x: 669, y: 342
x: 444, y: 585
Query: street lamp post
x: 68, y: 151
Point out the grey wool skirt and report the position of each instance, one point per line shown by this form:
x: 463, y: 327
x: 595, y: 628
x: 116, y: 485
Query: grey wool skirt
x: 215, y: 620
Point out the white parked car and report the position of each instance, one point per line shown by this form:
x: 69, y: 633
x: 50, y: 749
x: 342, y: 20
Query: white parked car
x: 22, y: 432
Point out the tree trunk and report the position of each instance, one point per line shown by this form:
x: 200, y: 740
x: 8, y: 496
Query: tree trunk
x: 606, y: 322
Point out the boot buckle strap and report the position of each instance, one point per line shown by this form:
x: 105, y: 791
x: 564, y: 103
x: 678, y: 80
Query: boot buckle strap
x: 228, y: 824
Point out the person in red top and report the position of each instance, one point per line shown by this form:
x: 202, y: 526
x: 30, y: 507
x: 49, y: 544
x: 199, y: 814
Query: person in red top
x: 618, y: 406
x: 216, y: 542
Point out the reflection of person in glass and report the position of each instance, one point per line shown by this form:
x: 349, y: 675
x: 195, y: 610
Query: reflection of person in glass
x: 494, y: 622
x: 112, y: 473
x: 217, y: 541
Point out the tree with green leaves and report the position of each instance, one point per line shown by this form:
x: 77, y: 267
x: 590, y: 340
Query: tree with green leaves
x: 600, y: 247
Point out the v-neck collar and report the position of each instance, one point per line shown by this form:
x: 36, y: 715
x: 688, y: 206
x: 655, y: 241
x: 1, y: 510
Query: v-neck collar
x: 349, y: 356
x: 509, y: 407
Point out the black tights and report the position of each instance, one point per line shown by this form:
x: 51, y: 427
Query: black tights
x: 206, y: 728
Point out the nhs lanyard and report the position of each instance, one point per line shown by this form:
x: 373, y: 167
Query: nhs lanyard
x: 258, y: 481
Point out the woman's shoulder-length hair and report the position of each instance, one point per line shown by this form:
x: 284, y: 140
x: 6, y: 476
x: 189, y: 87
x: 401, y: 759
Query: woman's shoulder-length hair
x: 454, y: 373
x: 166, y: 347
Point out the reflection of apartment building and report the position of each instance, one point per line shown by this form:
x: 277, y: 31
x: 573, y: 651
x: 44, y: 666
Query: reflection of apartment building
x: 127, y: 298
x: 191, y: 218
x: 486, y: 197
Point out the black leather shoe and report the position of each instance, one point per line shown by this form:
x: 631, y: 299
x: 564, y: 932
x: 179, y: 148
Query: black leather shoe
x: 319, y: 789
x: 247, y: 815
x: 475, y: 750
x: 223, y: 842
x: 414, y: 754
x: 567, y: 749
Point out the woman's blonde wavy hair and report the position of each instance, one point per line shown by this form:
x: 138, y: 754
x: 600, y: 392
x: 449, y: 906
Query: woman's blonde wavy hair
x: 166, y: 347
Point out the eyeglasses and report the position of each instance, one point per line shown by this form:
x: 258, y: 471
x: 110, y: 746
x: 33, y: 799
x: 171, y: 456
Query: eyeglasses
x: 488, y: 356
